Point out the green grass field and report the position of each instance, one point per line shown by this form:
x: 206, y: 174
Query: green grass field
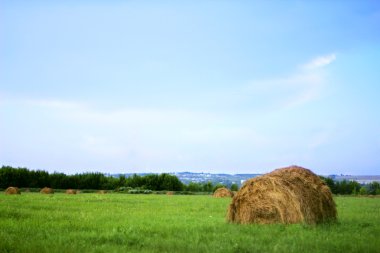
x: 33, y: 222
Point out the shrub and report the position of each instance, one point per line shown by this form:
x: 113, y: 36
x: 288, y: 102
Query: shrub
x: 363, y: 191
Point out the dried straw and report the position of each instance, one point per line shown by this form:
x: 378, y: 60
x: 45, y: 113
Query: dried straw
x: 287, y: 195
x: 12, y: 190
x: 223, y: 193
x: 47, y: 190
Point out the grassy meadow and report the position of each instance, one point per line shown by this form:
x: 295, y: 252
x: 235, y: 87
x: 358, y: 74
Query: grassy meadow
x: 32, y: 222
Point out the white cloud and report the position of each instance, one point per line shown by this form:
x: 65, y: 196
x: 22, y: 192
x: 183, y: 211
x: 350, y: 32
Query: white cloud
x: 320, y: 61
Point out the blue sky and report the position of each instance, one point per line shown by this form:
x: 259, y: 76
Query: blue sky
x: 203, y: 86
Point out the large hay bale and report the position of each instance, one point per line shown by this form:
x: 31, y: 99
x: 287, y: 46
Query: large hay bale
x: 71, y: 191
x: 287, y: 195
x: 47, y: 190
x: 12, y: 190
x: 223, y: 193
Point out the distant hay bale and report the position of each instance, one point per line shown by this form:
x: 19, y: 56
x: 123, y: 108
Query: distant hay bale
x: 287, y: 195
x: 47, y: 190
x: 170, y: 193
x: 234, y: 193
x: 12, y: 190
x: 71, y: 191
x: 223, y: 193
x: 27, y: 190
x: 101, y: 192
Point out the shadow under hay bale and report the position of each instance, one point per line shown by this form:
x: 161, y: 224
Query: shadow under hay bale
x: 287, y: 195
x: 71, y: 191
x: 47, y: 190
x: 12, y: 190
x: 223, y: 193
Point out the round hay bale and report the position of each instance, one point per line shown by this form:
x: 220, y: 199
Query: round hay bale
x: 12, y: 190
x: 101, y: 192
x: 170, y: 193
x: 47, y: 190
x: 71, y: 191
x: 223, y: 193
x: 287, y: 195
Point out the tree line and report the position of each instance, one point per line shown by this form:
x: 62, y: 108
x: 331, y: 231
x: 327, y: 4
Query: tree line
x: 25, y: 178
x: 348, y: 187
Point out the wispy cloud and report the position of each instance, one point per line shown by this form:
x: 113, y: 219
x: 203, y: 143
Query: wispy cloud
x: 308, y: 88
x: 304, y: 85
x: 44, y: 103
x: 320, y: 61
x: 144, y: 137
x: 57, y: 104
x: 139, y: 135
x: 320, y: 138
x: 313, y: 80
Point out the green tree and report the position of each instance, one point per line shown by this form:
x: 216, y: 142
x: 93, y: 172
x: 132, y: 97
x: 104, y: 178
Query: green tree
x: 354, y: 187
x: 373, y: 188
x: 122, y: 181
x: 170, y: 183
x: 363, y: 191
x: 134, y: 181
x: 331, y: 184
x: 194, y: 187
x: 346, y: 187
x: 207, y: 187
x: 217, y: 186
x: 234, y: 187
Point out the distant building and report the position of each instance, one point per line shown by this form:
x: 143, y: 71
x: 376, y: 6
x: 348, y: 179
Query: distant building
x: 360, y: 179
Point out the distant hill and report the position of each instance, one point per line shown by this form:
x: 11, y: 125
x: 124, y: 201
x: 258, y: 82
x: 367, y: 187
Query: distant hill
x: 361, y: 179
x: 228, y: 179
x: 222, y: 178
